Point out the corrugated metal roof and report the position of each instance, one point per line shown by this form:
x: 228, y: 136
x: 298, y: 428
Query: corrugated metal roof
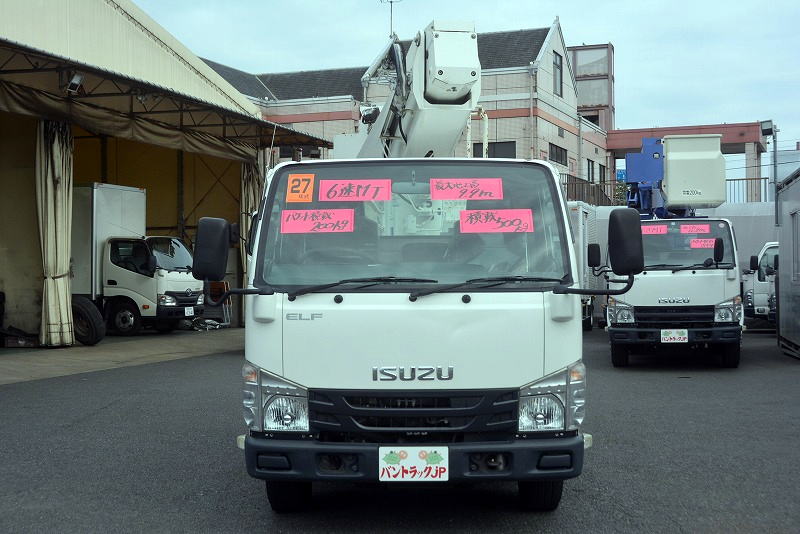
x: 123, y: 40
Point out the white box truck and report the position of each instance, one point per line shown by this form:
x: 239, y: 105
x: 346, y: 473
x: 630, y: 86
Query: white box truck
x: 583, y: 225
x: 133, y: 280
x: 787, y: 284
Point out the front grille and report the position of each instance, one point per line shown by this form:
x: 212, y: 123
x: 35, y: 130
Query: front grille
x: 674, y: 316
x: 184, y: 299
x: 386, y: 415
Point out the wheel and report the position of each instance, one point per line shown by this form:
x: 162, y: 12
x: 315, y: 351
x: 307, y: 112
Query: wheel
x: 540, y: 495
x: 620, y: 355
x: 165, y: 327
x: 588, y: 322
x: 125, y: 318
x: 729, y: 355
x: 285, y: 497
x: 88, y: 324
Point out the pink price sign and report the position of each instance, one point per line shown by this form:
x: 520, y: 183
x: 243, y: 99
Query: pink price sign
x: 355, y: 190
x: 466, y: 188
x: 654, y: 229
x: 695, y: 228
x: 316, y: 221
x: 496, y: 221
x: 702, y: 243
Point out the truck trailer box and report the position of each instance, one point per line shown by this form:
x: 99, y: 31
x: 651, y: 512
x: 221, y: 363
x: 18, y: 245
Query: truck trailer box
x: 788, y: 281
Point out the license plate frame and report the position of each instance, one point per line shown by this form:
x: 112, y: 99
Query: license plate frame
x: 675, y: 335
x: 417, y: 463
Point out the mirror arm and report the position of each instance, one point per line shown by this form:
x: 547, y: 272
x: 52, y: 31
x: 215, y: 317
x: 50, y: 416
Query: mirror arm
x: 563, y: 290
x: 236, y: 291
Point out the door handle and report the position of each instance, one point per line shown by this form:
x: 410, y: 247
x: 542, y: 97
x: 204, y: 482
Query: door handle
x: 111, y: 282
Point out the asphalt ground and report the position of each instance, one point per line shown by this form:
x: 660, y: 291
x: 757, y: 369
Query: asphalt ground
x: 679, y: 446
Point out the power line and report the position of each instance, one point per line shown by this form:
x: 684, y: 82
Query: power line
x: 762, y: 165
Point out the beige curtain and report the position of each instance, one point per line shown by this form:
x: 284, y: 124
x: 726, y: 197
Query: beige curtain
x: 54, y: 201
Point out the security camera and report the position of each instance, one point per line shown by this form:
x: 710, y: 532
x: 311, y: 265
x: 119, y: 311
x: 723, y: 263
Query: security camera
x: 74, y: 85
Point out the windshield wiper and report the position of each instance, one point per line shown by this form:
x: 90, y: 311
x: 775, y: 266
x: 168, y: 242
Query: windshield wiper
x: 372, y: 280
x: 490, y: 281
x: 705, y: 265
x: 662, y: 265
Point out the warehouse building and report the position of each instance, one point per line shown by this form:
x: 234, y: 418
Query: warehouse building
x: 530, y: 93
x: 124, y: 104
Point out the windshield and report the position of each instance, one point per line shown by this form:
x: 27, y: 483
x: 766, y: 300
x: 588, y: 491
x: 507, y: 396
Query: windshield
x: 170, y: 253
x: 681, y: 243
x: 447, y: 221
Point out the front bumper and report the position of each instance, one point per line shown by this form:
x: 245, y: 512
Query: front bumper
x: 297, y: 459
x: 178, y: 312
x: 652, y: 336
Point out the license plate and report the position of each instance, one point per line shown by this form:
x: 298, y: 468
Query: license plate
x: 413, y: 464
x: 675, y: 336
x: 189, y: 311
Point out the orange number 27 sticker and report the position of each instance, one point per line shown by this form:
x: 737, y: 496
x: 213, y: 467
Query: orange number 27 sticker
x: 300, y: 188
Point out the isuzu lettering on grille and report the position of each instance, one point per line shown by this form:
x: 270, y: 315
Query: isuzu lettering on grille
x: 673, y: 300
x: 385, y: 374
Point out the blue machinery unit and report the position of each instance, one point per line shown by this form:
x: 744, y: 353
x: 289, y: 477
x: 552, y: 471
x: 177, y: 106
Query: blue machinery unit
x: 644, y: 174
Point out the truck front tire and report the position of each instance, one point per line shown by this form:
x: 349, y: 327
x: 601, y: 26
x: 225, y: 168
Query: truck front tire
x: 620, y: 355
x: 729, y: 355
x: 88, y: 324
x: 288, y: 496
x: 125, y: 318
x: 540, y: 495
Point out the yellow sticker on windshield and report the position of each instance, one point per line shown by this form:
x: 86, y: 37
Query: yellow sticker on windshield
x: 300, y: 188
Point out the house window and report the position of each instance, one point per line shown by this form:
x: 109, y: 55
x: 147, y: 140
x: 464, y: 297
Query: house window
x: 590, y: 170
x: 502, y: 149
x: 558, y: 74
x: 558, y: 154
x: 560, y: 131
x: 602, y: 173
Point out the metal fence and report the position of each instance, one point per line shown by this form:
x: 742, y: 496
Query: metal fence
x: 748, y: 190
x: 602, y: 194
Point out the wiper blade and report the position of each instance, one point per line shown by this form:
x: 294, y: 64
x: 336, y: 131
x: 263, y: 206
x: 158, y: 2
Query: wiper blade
x: 662, y: 265
x: 372, y: 280
x: 704, y: 265
x: 491, y: 281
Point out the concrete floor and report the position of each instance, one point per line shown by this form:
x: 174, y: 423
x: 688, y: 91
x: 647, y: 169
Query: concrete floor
x: 21, y: 365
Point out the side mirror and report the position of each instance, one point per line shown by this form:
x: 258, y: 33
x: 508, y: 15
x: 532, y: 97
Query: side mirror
x: 625, y: 251
x: 593, y: 255
x: 151, y: 265
x: 211, y: 249
x: 753, y: 262
x: 719, y: 250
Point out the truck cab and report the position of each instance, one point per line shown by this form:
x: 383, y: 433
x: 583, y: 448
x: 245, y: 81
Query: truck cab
x: 413, y: 320
x: 687, y: 296
x: 760, y: 285
x: 147, y: 282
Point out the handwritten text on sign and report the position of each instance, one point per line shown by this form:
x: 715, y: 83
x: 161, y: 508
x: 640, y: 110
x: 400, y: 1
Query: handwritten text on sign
x: 466, y: 188
x: 702, y: 243
x: 654, y: 229
x: 355, y: 190
x: 316, y: 221
x: 695, y: 228
x: 494, y: 221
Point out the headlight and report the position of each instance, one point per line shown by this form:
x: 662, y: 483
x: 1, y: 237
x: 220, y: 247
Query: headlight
x: 773, y: 302
x: 167, y: 300
x: 620, y: 312
x: 542, y: 403
x: 729, y: 311
x: 286, y: 413
x: 201, y: 299
x: 748, y: 298
x: 272, y: 403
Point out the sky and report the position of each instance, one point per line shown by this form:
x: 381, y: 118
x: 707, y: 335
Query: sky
x: 676, y: 62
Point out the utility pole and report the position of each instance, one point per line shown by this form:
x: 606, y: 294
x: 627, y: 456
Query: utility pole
x: 769, y: 128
